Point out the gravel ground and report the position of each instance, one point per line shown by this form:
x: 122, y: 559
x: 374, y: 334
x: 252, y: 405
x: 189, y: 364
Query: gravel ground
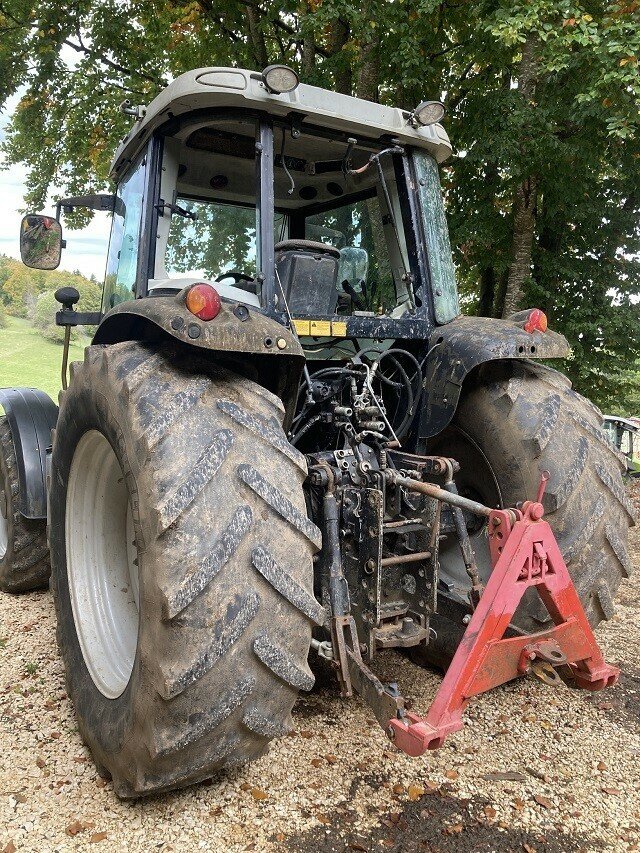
x: 336, y: 783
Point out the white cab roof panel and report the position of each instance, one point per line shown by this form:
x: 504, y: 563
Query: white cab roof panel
x: 211, y: 88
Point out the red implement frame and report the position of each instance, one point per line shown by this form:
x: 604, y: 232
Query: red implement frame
x: 525, y: 554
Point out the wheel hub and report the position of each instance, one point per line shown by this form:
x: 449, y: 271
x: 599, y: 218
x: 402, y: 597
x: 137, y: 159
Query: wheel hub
x: 102, y: 564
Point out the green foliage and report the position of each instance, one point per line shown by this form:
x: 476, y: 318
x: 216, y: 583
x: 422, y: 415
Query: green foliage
x: 3, y: 318
x: 29, y: 293
x: 541, y: 95
x: 45, y: 310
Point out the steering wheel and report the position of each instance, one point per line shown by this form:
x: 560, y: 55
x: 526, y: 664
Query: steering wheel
x: 237, y: 276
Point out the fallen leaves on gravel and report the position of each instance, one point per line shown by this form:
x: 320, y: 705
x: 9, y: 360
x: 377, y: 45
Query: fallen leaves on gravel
x: 259, y: 794
x: 74, y: 828
x: 97, y: 836
x: 398, y: 789
x: 543, y: 801
x: 414, y: 792
x: 9, y: 848
x: 613, y: 792
x: 451, y: 774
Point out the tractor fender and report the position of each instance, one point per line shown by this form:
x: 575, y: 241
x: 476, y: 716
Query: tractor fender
x: 466, y: 343
x: 31, y: 415
x: 272, y: 350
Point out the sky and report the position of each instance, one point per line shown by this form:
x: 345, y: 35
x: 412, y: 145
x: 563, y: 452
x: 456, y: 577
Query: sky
x: 86, y: 248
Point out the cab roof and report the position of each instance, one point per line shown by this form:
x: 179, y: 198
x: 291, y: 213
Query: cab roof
x: 211, y: 88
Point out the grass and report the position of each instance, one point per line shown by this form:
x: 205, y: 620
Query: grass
x: 28, y: 360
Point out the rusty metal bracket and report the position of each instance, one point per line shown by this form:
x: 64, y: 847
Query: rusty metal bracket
x: 353, y: 674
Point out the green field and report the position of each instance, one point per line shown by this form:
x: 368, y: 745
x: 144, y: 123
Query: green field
x: 27, y: 359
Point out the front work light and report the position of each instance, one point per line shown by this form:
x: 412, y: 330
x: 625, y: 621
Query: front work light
x: 428, y: 112
x: 203, y: 301
x: 280, y: 79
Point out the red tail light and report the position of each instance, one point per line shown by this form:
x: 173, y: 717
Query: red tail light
x: 537, y: 321
x: 203, y: 301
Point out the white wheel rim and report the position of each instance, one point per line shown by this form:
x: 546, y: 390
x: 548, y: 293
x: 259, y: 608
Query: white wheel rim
x: 103, y: 577
x: 4, y: 524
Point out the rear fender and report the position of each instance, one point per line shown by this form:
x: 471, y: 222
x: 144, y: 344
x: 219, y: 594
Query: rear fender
x: 466, y: 343
x: 238, y: 332
x: 31, y: 415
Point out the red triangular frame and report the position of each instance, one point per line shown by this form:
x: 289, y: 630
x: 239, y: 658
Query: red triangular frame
x: 525, y: 555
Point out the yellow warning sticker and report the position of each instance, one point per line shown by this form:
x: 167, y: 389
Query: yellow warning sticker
x: 339, y: 329
x: 320, y: 328
x: 302, y: 327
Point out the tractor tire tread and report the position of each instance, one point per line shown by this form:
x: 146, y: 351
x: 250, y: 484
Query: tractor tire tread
x: 228, y: 649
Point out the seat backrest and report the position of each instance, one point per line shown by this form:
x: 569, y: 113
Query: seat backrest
x: 308, y: 272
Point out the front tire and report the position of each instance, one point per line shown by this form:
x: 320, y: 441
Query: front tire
x: 214, y: 647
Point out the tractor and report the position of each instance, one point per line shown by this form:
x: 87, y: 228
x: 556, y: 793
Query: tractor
x: 285, y: 440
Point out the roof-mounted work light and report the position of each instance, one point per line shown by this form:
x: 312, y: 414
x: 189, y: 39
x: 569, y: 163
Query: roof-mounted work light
x: 427, y: 112
x: 280, y: 79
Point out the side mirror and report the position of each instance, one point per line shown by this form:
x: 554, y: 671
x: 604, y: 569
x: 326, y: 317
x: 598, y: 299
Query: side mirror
x: 353, y: 266
x: 40, y: 241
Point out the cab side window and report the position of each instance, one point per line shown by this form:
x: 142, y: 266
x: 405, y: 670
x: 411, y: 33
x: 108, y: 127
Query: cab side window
x: 122, y: 261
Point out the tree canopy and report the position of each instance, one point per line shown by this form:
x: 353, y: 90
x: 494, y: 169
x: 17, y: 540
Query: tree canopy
x: 542, y: 100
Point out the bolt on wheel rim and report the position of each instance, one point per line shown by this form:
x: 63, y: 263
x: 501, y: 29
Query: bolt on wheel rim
x: 102, y: 564
x: 4, y: 524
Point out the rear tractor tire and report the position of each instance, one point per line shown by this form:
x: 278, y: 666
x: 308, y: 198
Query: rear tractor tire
x: 508, y: 430
x: 24, y: 554
x: 182, y: 565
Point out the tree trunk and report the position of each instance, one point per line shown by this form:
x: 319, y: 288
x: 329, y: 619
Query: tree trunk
x: 308, y: 57
x: 524, y: 223
x: 338, y: 37
x: 256, y: 37
x: 308, y: 62
x: 524, y: 206
x: 369, y: 72
x: 487, y: 292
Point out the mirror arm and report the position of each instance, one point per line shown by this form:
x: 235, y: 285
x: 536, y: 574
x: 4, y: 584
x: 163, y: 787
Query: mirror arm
x: 89, y: 202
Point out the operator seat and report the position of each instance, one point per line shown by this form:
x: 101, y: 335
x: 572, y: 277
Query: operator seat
x: 308, y: 272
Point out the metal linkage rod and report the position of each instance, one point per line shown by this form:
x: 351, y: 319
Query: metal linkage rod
x: 438, y: 493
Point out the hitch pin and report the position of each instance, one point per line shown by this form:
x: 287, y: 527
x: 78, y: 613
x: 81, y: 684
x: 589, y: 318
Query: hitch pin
x: 544, y: 479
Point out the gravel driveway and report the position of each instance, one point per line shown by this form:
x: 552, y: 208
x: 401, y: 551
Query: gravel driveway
x: 571, y: 759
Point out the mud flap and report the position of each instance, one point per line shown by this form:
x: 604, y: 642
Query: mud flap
x: 31, y: 415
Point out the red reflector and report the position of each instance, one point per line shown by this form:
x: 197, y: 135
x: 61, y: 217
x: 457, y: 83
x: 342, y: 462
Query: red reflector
x: 203, y: 301
x: 537, y: 321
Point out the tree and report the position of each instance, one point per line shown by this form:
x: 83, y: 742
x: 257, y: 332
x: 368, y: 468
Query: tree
x: 541, y: 96
x: 20, y: 291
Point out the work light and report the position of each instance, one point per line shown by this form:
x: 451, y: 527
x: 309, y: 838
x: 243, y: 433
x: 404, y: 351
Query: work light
x: 280, y: 79
x: 427, y: 112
